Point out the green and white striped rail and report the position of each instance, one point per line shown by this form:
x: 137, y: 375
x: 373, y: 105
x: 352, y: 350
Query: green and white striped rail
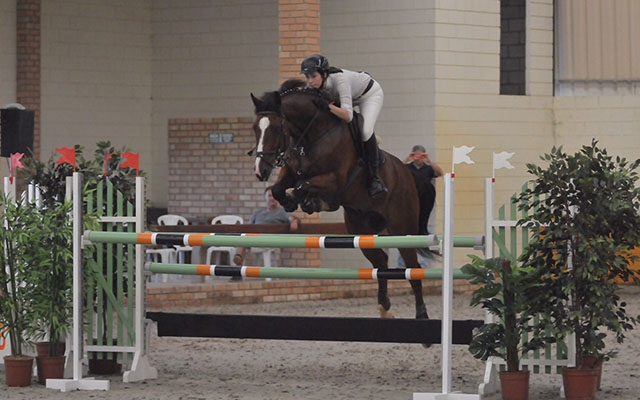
x: 277, y: 241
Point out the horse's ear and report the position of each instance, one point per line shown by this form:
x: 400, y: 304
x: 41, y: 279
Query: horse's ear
x: 276, y: 97
x: 256, y: 101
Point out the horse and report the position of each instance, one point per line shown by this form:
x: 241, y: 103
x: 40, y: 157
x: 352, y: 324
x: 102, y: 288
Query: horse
x: 321, y: 171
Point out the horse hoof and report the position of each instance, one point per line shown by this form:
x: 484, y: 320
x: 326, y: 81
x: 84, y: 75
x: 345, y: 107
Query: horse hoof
x: 385, y: 313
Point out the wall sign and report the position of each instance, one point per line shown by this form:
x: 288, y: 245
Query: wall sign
x: 220, y: 137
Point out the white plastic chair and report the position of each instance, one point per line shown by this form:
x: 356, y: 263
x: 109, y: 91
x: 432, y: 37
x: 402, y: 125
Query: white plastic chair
x: 172, y: 254
x: 219, y: 250
x: 268, y: 254
x: 173, y: 219
x: 166, y: 255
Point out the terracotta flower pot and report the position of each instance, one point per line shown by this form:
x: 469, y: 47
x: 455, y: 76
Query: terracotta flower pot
x: 50, y: 367
x: 580, y: 383
x: 18, y: 370
x: 515, y: 385
x: 589, y: 361
x: 42, y: 348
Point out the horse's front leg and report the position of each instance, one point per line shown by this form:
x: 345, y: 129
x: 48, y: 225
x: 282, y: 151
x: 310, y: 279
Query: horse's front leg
x: 379, y: 259
x: 318, y: 193
x: 411, y: 261
x: 282, y: 190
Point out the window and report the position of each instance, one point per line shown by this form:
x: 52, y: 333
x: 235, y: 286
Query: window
x: 512, y: 46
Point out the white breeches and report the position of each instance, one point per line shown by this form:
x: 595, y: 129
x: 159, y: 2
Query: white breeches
x: 370, y: 106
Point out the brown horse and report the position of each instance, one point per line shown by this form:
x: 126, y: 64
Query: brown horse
x: 321, y: 171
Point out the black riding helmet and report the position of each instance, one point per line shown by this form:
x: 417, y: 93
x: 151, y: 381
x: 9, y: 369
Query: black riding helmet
x: 313, y: 63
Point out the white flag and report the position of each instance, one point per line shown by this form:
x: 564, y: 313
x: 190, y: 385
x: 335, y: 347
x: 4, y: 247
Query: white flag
x: 460, y: 155
x: 501, y: 160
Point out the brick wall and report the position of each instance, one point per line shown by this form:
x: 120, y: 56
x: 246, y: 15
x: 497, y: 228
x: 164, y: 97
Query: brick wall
x: 207, y: 179
x: 299, y: 34
x: 167, y: 296
x: 28, y: 62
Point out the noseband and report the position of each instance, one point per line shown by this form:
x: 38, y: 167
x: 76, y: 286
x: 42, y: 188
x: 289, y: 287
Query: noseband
x: 279, y: 153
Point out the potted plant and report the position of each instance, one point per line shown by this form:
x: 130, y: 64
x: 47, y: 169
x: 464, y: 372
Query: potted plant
x: 16, y: 286
x: 501, y: 290
x: 51, y: 260
x: 584, y: 216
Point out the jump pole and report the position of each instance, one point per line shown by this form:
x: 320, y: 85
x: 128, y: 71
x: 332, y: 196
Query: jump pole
x: 302, y: 273
x: 259, y: 240
x: 279, y: 240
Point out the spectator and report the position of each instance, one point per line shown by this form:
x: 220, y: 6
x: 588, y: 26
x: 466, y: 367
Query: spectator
x: 273, y: 213
x: 424, y: 171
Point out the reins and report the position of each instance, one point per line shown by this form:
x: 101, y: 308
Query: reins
x: 305, y: 131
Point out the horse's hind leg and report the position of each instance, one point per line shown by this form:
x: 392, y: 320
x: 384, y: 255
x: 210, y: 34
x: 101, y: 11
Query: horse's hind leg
x: 421, y: 308
x: 384, y: 304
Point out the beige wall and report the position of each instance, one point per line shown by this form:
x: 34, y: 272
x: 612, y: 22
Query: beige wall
x: 7, y: 52
x: 96, y: 83
x: 613, y: 120
x: 394, y: 41
x: 7, y: 59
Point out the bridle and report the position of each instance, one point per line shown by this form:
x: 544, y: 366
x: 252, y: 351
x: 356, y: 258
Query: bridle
x: 282, y: 146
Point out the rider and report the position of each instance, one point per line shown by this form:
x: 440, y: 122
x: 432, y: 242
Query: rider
x: 351, y: 88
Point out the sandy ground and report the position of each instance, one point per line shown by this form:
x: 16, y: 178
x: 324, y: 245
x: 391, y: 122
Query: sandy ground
x: 195, y: 369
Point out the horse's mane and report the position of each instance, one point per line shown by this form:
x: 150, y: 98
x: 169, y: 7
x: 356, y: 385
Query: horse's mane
x: 270, y: 101
x: 292, y: 86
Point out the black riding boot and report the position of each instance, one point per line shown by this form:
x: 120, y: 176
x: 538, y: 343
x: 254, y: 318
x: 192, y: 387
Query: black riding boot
x: 374, y: 183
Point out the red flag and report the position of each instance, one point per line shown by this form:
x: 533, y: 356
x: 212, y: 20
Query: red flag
x: 68, y: 156
x: 106, y: 163
x: 131, y: 160
x: 15, y: 163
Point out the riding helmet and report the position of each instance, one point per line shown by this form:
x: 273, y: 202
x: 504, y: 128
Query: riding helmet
x: 315, y: 62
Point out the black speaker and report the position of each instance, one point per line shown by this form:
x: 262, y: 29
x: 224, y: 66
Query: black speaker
x: 17, y: 131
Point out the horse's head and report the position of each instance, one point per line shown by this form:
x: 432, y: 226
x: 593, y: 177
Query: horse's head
x: 268, y: 130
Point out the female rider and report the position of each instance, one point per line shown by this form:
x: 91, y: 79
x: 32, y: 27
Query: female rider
x: 351, y: 88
